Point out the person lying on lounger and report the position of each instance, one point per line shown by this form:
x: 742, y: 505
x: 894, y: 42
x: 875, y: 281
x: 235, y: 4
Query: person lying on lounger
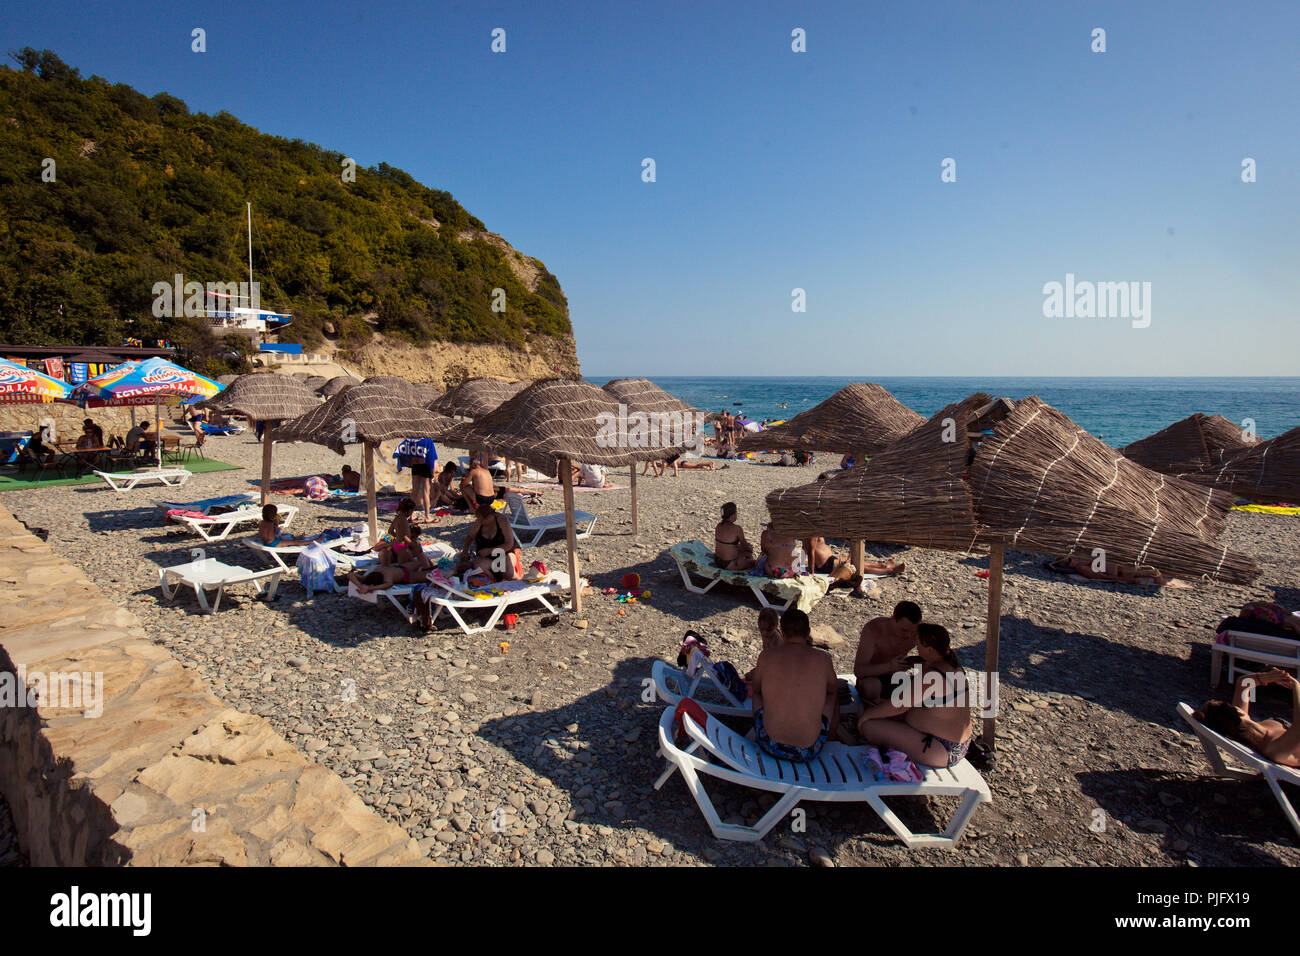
x: 394, y: 547
x: 826, y: 561
x: 730, y: 549
x: 268, y: 530
x: 794, y: 693
x: 883, y: 646
x: 927, y: 718
x: 385, y: 576
x: 1274, y: 738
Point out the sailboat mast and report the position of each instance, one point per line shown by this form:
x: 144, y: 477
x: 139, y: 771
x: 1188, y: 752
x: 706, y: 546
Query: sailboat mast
x: 250, y: 254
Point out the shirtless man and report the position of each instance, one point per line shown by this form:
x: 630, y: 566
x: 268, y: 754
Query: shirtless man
x: 477, y: 488
x: 883, y: 644
x: 826, y: 561
x: 794, y: 693
x: 1277, y: 740
x: 778, y: 553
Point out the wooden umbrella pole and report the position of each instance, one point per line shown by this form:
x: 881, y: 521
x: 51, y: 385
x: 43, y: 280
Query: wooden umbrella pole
x: 632, y: 472
x: 858, y: 550
x: 371, y: 511
x: 266, y: 462
x: 570, y: 534
x: 992, y: 631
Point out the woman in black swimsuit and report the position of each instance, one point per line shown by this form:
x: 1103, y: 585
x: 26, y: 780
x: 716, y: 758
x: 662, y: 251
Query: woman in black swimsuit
x: 490, y: 546
x: 732, y: 551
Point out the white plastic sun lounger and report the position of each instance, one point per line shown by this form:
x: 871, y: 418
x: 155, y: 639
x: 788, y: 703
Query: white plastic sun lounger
x: 1259, y: 649
x: 515, y: 592
x: 671, y: 685
x: 218, y: 527
x: 276, y: 555
x: 206, y: 504
x: 523, y: 526
x: 399, y: 595
x: 838, y: 774
x: 209, y: 574
x: 1215, y: 745
x: 126, y: 480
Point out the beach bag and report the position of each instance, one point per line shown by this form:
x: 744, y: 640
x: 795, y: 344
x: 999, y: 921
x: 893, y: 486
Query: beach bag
x: 316, y: 567
x: 730, y: 678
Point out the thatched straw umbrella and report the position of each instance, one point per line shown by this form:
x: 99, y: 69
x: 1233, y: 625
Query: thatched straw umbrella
x: 860, y: 419
x: 1196, y: 444
x: 264, y: 398
x: 1266, y: 472
x: 1039, y: 483
x: 553, y: 423
x: 477, y: 396
x: 375, y: 410
x: 643, y: 395
x: 336, y: 384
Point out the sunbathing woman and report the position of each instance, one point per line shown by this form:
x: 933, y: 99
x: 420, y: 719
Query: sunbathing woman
x: 387, y: 575
x: 933, y: 729
x: 268, y: 530
x: 826, y: 561
x: 1123, y: 573
x: 777, y: 553
x: 442, y: 495
x: 1275, y: 738
x: 732, y: 551
x: 490, y: 546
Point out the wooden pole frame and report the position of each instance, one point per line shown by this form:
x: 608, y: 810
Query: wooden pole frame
x: 372, y: 515
x: 267, y: 445
x: 992, y: 633
x: 632, y: 472
x: 570, y: 535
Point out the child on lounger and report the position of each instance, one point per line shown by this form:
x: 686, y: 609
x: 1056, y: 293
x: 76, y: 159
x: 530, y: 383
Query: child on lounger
x: 387, y: 575
x: 268, y: 530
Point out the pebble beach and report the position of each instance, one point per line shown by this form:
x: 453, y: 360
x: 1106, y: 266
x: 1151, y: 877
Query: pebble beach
x: 537, y: 745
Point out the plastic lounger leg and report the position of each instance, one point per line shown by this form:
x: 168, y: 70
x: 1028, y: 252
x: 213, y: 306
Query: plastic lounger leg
x: 957, y: 825
x: 1283, y: 802
x: 1216, y: 664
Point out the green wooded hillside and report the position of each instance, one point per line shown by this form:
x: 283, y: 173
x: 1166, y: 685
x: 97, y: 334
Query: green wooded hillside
x: 144, y: 189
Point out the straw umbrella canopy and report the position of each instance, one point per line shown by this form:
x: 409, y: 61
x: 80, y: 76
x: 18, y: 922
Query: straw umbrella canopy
x: 1195, y: 444
x: 1266, y: 472
x: 553, y: 423
x: 335, y: 385
x: 1038, y: 483
x: 314, y: 382
x: 477, y: 396
x: 372, y: 411
x: 265, y: 398
x: 643, y: 395
x: 861, y: 419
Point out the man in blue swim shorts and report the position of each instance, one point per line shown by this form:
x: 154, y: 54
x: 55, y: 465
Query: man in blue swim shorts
x: 795, y: 694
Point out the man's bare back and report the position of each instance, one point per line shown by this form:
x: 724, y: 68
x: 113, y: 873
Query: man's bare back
x: 795, y: 687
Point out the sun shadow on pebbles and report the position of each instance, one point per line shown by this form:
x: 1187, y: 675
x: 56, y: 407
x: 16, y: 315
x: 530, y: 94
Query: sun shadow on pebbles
x: 1214, y: 820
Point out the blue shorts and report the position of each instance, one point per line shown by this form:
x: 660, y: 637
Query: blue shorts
x: 786, y: 751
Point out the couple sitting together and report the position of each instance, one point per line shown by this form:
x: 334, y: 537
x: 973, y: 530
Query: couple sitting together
x: 796, y: 702
x: 777, y: 557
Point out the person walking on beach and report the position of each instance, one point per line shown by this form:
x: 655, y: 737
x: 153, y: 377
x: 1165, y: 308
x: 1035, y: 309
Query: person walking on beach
x: 882, y: 647
x: 794, y: 694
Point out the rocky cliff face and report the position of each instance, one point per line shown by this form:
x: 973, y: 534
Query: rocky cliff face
x: 448, y: 363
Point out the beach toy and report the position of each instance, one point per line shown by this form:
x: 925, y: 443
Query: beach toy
x: 539, y: 567
x: 981, y: 574
x: 631, y: 581
x: 609, y: 591
x: 621, y: 612
x: 645, y: 594
x: 498, y: 505
x: 505, y: 647
x: 511, y: 621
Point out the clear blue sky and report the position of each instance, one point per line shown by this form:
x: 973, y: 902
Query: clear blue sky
x: 817, y: 170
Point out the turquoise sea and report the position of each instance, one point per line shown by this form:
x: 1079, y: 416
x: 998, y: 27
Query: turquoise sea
x: 1117, y: 410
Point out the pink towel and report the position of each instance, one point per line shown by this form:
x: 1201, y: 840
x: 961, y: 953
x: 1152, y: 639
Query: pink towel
x: 899, y: 768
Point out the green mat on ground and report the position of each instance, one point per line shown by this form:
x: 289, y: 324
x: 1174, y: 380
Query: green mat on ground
x: 198, y: 466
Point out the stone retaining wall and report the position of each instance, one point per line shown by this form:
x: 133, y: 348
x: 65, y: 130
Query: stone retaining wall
x: 167, y: 774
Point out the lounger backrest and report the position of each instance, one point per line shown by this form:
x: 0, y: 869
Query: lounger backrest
x: 516, y: 510
x: 1239, y: 750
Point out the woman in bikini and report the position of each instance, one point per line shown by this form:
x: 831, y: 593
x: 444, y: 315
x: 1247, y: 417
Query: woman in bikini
x: 732, y: 551
x: 490, y: 546
x: 928, y: 719
x: 1275, y: 738
x: 442, y: 494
